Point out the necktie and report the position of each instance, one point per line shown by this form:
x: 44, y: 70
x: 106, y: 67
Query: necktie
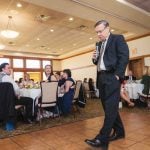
x: 130, y: 77
x: 100, y: 56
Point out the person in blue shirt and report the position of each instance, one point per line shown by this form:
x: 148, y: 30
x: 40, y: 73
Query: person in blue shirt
x: 69, y: 86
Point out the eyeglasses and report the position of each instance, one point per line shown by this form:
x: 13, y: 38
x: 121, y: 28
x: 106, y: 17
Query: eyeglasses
x: 101, y: 31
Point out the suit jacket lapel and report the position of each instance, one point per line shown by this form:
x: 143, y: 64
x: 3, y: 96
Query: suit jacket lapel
x: 109, y: 41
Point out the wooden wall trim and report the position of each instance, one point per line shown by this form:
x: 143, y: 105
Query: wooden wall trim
x: 139, y: 57
x: 82, y: 53
x: 83, y: 67
x: 138, y: 37
x: 23, y: 57
x: 88, y: 66
x: 131, y: 39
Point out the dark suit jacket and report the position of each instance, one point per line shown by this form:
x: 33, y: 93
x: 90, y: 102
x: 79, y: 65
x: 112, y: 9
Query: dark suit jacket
x: 7, y: 101
x: 116, y: 55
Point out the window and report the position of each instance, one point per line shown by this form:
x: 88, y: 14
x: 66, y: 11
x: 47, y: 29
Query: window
x: 18, y: 63
x: 18, y: 75
x: 46, y: 62
x: 4, y: 60
x: 34, y: 64
x: 36, y: 76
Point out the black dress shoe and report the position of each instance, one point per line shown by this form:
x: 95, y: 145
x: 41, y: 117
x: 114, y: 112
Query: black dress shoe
x: 116, y: 137
x: 96, y: 143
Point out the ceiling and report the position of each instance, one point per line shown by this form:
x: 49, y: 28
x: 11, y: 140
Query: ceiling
x: 46, y: 31
x: 145, y: 4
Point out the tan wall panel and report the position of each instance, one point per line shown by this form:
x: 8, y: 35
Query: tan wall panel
x: 57, y: 65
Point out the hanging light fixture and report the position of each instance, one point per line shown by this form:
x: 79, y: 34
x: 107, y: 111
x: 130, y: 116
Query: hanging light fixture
x: 2, y: 46
x: 9, y: 32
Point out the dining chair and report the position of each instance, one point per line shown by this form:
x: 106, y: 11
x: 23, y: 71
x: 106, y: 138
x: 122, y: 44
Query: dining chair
x: 145, y: 98
x: 76, y: 97
x: 88, y: 93
x: 49, y: 97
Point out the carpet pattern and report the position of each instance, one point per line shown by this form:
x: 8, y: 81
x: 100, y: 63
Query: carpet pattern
x: 93, y: 109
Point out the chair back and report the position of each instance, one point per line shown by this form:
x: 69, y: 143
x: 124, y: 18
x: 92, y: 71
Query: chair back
x: 49, y: 92
x: 77, y: 89
x: 86, y: 86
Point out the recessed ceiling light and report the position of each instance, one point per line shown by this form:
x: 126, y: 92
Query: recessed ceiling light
x: 13, y: 11
x: 112, y: 30
x: 19, y: 5
x: 52, y: 30
x: 74, y: 44
x: 38, y: 39
x: 42, y: 46
x: 71, y: 19
x: 91, y: 38
x: 2, y: 46
x: 27, y: 45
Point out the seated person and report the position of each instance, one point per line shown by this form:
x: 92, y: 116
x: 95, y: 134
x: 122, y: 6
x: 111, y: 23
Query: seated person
x: 85, y: 80
x: 59, y: 78
x: 124, y: 95
x: 146, y: 81
x: 66, y: 101
x: 21, y: 83
x: 26, y: 80
x: 49, y: 74
x: 92, y: 87
x: 130, y: 76
x: 26, y: 101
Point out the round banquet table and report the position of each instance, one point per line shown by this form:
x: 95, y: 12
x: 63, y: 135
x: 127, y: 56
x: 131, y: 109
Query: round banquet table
x: 133, y: 89
x: 32, y: 93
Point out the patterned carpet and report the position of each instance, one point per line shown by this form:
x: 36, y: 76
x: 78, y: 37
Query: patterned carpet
x: 93, y: 109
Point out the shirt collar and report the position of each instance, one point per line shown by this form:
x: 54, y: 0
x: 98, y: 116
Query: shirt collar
x: 105, y: 41
x: 107, y: 37
x: 3, y: 73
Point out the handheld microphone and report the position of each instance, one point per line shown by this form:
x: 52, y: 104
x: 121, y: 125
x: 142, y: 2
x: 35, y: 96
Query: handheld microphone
x: 97, y: 50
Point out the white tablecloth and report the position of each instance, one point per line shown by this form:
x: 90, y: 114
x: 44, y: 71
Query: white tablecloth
x: 133, y: 89
x: 32, y: 93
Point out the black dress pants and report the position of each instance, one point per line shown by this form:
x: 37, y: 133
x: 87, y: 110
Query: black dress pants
x: 28, y: 103
x: 109, y: 89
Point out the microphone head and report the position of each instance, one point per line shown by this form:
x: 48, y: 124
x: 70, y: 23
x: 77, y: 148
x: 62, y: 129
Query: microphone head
x: 97, y: 43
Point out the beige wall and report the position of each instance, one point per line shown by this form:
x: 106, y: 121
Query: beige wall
x: 139, y: 47
x: 147, y: 61
x: 57, y: 65
x: 82, y: 65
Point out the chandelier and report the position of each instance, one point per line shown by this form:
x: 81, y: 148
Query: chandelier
x: 2, y: 46
x: 9, y: 32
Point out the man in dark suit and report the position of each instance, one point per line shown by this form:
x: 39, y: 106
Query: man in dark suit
x: 111, y: 60
x: 130, y: 76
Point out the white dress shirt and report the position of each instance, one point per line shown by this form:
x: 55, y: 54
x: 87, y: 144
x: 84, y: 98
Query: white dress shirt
x: 102, y: 65
x: 130, y: 78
